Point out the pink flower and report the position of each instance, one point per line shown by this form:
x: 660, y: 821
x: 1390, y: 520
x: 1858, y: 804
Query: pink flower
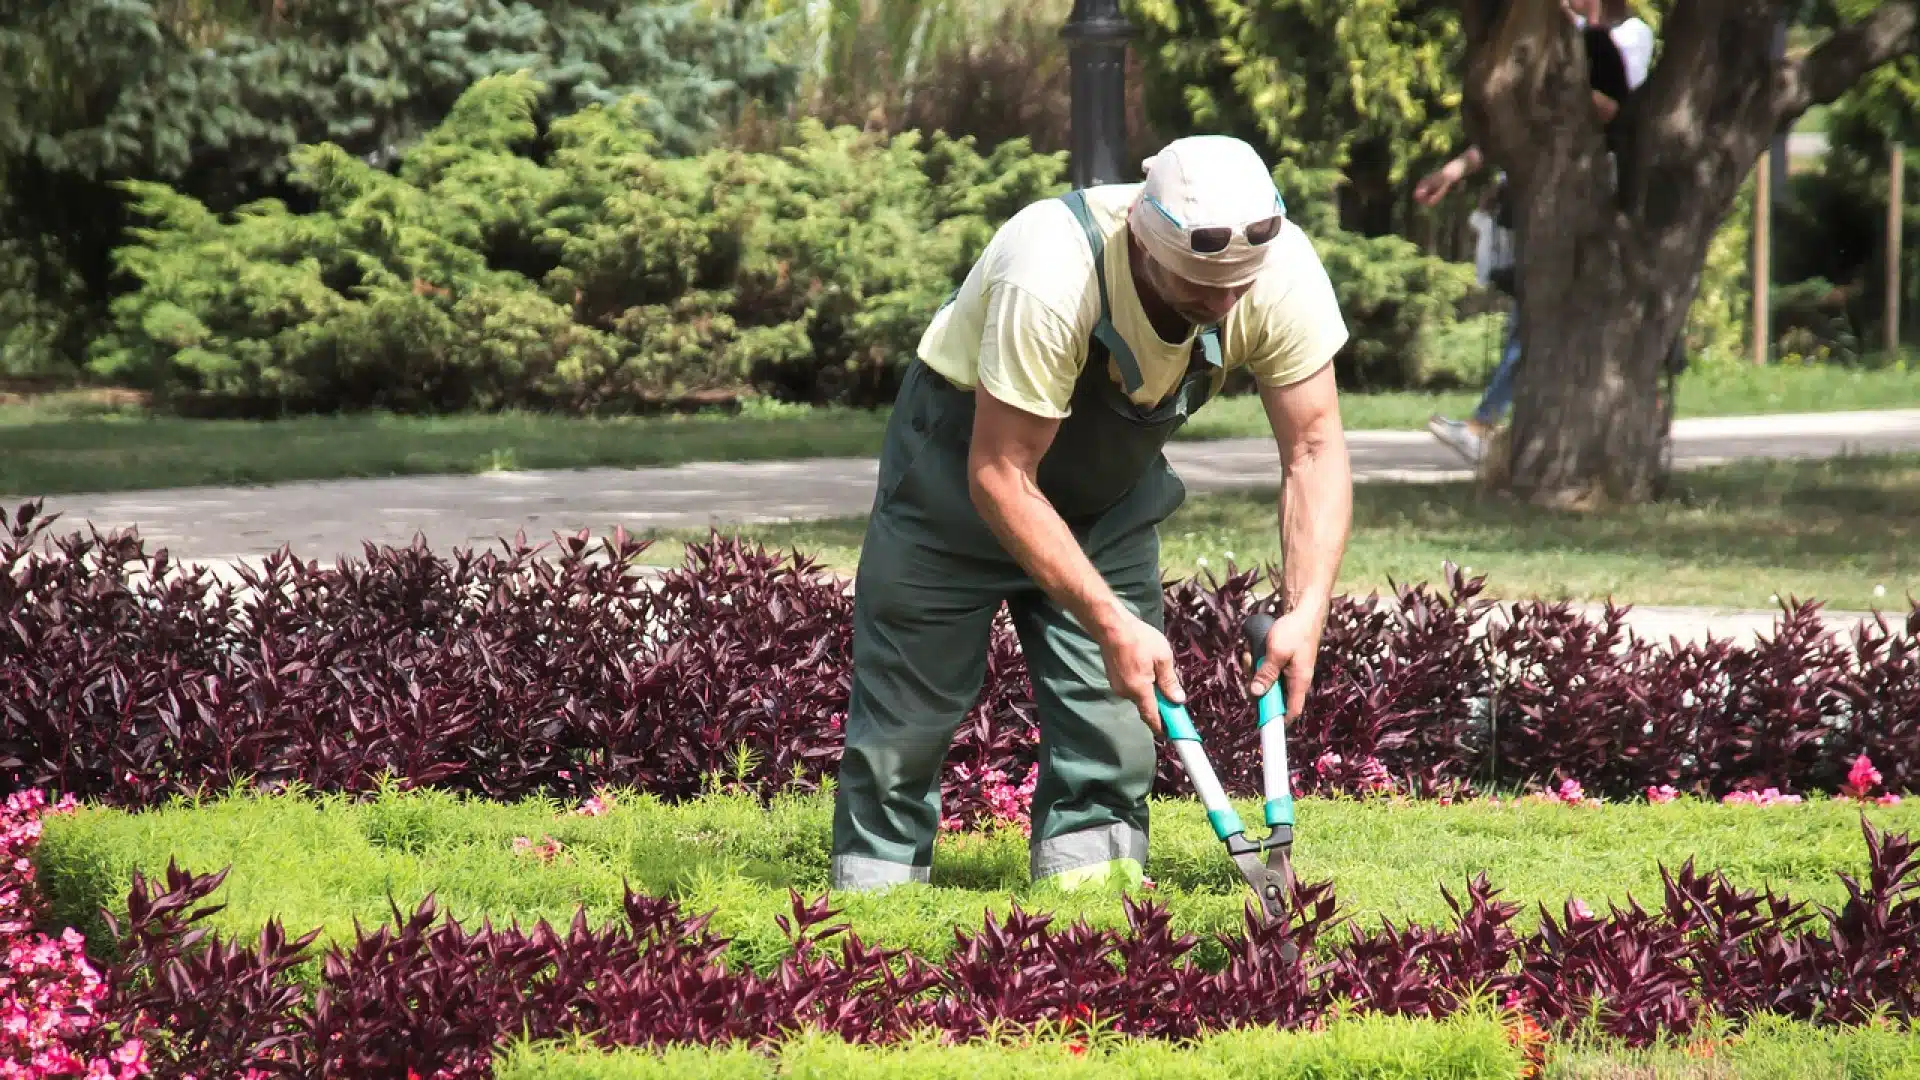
x: 1569, y: 793
x: 1888, y: 799
x: 1662, y: 794
x: 1861, y: 779
x: 1863, y: 775
x: 1367, y: 774
x: 49, y: 992
x: 1374, y: 774
x: 545, y: 851
x: 595, y: 807
x: 1007, y: 802
x: 1769, y: 797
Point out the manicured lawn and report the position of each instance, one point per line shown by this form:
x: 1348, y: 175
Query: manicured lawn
x: 1368, y: 1046
x: 1359, y: 1048
x: 738, y: 859
x: 345, y: 867
x: 69, y: 443
x: 1770, y: 1049
x: 65, y: 446
x: 1741, y: 534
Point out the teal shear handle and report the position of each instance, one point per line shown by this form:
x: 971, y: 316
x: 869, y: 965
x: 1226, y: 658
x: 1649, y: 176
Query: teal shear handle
x: 1273, y: 749
x: 1193, y: 757
x: 1272, y: 878
x: 1275, y: 781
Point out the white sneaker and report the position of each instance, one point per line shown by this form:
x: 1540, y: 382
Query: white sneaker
x: 1458, y: 436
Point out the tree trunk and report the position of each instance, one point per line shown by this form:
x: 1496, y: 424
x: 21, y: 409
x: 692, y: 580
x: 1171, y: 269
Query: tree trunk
x: 1597, y: 325
x: 1609, y: 261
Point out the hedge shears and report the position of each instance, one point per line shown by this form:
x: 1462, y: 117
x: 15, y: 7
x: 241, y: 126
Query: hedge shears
x: 1272, y: 879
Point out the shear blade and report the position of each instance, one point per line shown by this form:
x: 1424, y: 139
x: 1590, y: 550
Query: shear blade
x: 1267, y: 884
x: 1280, y: 862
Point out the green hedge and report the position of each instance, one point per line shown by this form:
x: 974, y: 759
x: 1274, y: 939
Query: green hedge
x: 1374, y: 1047
x: 572, y: 268
x: 575, y: 268
x: 214, y: 95
x: 326, y: 862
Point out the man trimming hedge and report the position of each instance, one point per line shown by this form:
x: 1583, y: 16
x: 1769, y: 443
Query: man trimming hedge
x: 1022, y: 463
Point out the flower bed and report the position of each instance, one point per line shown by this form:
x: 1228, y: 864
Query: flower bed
x: 508, y: 673
x: 422, y: 992
x: 51, y: 1016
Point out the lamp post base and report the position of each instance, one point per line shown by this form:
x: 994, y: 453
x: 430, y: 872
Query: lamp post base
x: 1097, y: 36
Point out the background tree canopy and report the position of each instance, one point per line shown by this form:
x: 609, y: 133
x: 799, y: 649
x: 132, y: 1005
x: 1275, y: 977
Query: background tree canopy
x: 271, y: 104
x: 213, y: 96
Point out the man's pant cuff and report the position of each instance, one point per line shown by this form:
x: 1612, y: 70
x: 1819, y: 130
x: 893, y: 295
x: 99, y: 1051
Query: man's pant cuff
x: 1087, y: 854
x: 860, y: 873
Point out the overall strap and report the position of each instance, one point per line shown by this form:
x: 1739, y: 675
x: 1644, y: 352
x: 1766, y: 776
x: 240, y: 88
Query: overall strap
x: 1210, y: 345
x: 1104, y: 331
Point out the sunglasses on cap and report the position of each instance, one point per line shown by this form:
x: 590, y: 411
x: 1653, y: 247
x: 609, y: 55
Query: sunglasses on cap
x: 1212, y: 239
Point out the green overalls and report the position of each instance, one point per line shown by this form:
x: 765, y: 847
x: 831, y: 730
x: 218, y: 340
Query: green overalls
x: 932, y: 576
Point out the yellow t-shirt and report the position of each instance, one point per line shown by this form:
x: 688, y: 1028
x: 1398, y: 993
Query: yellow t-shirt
x: 1021, y: 323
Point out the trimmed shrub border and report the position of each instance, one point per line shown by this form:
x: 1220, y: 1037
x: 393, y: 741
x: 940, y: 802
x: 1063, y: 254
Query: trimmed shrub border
x: 125, y: 679
x: 528, y: 671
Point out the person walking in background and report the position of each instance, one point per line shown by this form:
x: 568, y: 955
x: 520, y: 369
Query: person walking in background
x: 1619, y: 48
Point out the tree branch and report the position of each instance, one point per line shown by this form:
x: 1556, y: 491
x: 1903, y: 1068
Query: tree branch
x: 1848, y: 53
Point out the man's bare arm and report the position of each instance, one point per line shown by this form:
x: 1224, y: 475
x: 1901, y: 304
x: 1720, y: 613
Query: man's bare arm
x: 1002, y: 475
x: 1316, y: 516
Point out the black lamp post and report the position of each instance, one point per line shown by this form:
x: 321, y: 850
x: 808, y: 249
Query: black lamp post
x: 1096, y: 35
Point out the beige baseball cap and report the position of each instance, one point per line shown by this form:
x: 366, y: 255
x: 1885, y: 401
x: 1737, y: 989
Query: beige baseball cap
x: 1208, y: 211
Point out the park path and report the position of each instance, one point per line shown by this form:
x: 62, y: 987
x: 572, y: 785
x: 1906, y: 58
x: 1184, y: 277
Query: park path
x: 329, y: 520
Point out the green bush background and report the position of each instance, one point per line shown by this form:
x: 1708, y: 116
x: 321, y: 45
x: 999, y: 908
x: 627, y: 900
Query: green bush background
x: 576, y: 269
x: 334, y: 204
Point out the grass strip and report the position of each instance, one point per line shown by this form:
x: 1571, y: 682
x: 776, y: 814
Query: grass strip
x: 1370, y: 1046
x: 1766, y: 1048
x: 1373, y: 1047
x: 75, y: 442
x: 1845, y: 530
x: 327, y: 862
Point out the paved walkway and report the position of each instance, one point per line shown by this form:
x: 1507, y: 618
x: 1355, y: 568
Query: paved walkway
x: 330, y: 520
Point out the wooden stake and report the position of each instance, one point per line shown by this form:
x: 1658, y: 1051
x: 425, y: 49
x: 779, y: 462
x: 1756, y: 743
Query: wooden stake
x: 1897, y: 172
x: 1762, y: 247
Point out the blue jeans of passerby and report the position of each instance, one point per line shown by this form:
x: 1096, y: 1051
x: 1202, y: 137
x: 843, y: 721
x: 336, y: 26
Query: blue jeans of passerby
x: 1499, y: 393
